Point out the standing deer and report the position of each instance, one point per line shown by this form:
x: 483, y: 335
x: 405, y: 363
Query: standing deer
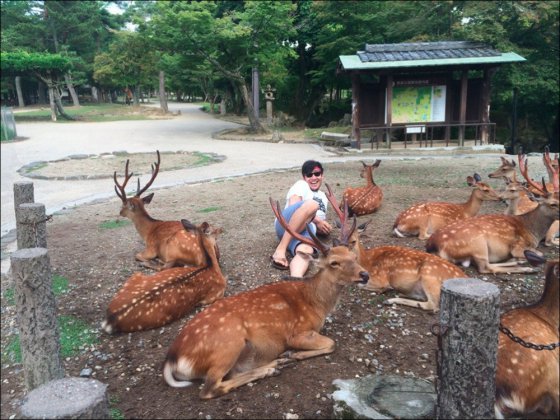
x: 416, y: 274
x: 165, y: 240
x: 366, y: 199
x: 489, y: 239
x: 253, y: 334
x: 146, y: 302
x: 526, y: 376
x: 423, y: 219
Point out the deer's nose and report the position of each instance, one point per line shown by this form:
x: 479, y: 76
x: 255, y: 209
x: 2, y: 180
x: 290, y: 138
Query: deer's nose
x: 364, y: 276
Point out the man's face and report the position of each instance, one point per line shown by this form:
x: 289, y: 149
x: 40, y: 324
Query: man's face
x: 314, y: 178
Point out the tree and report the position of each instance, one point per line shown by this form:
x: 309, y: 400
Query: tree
x: 47, y: 67
x: 231, y: 37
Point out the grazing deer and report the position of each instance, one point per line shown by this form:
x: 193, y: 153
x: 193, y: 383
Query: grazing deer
x: 253, y: 334
x: 489, y: 239
x: 527, y: 376
x: 165, y: 240
x: 423, y: 219
x: 146, y: 302
x: 416, y: 274
x: 366, y: 199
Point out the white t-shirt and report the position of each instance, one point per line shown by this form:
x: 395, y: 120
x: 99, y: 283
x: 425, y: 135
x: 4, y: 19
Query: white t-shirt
x: 301, y: 188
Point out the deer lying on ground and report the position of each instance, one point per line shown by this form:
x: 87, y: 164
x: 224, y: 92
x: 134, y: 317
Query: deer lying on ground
x: 527, y: 378
x: 366, y: 199
x: 146, y: 302
x: 423, y: 219
x: 416, y: 274
x: 490, y: 239
x: 253, y: 334
x: 165, y: 240
x: 519, y: 202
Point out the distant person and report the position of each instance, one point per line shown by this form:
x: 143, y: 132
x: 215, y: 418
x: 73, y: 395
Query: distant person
x: 305, y: 203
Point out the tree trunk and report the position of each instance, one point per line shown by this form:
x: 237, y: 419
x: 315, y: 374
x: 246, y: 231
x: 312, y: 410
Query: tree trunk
x: 41, y: 93
x: 59, y: 107
x: 21, y: 102
x: 162, y: 95
x: 70, y: 85
x: 254, y: 123
x: 136, y: 95
x: 51, y: 103
x: 94, y: 94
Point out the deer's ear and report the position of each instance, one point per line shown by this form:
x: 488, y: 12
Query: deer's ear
x: 188, y: 225
x: 148, y: 198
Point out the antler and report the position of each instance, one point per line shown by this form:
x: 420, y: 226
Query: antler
x: 344, y: 232
x: 314, y: 242
x: 119, y: 187
x: 523, y: 168
x: 552, y: 169
x: 155, y: 170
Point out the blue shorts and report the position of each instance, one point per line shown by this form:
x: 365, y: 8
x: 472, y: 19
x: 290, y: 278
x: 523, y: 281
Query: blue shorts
x: 287, y: 213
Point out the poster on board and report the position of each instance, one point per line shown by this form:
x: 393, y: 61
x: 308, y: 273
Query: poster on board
x: 419, y: 104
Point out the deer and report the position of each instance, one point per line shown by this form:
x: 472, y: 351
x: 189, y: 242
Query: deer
x: 423, y: 219
x: 489, y: 240
x: 522, y: 204
x: 367, y: 199
x: 527, y: 376
x: 151, y: 301
x: 414, y: 273
x: 255, y: 333
x: 167, y: 243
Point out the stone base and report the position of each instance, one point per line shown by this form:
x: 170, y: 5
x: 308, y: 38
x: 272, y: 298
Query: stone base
x: 76, y: 398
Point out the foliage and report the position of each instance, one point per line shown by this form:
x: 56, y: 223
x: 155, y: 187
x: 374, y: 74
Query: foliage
x: 20, y: 62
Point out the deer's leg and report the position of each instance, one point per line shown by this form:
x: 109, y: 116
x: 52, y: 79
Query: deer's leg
x: 551, y: 238
x: 312, y: 343
x: 215, y: 388
x: 153, y: 264
x: 427, y: 306
x: 147, y: 254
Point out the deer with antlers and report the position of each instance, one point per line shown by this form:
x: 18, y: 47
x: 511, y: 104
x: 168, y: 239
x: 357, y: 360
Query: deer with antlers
x: 516, y: 195
x: 423, y: 219
x: 527, y: 377
x: 491, y: 239
x: 367, y: 199
x: 151, y: 301
x: 168, y: 244
x: 253, y: 334
x: 416, y: 274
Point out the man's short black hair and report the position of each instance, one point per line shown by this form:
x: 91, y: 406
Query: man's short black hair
x: 309, y: 165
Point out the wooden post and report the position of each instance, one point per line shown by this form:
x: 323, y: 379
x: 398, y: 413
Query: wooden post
x: 356, y: 110
x: 389, y: 109
x: 23, y: 193
x: 463, y: 107
x: 31, y: 226
x: 468, y: 337
x: 36, y: 316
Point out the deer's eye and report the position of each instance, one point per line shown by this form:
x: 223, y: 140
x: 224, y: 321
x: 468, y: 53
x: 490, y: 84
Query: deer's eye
x: 334, y: 264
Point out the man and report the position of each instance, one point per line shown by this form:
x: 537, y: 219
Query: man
x: 305, y: 204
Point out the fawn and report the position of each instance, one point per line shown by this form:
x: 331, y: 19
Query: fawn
x: 366, y: 199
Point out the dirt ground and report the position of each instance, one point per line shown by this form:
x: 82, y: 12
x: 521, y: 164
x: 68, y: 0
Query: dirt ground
x: 371, y: 337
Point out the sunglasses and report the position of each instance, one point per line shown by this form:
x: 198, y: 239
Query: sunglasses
x: 317, y: 174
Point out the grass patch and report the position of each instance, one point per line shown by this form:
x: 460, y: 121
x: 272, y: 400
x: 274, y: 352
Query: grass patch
x: 114, y: 412
x: 59, y: 286
x: 86, y: 113
x: 114, y: 224
x: 74, y: 335
x: 209, y: 209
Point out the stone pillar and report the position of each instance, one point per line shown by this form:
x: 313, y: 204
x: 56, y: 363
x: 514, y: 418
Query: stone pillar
x: 269, y: 97
x: 468, y: 347
x: 36, y: 316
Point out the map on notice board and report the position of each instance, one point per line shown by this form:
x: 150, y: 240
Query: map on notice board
x: 418, y: 104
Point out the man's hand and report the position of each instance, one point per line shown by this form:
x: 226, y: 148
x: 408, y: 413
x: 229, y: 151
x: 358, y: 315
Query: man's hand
x: 323, y: 227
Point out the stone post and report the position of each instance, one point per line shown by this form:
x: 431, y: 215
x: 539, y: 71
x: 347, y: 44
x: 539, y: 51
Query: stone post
x: 468, y: 346
x: 31, y: 223
x: 36, y: 316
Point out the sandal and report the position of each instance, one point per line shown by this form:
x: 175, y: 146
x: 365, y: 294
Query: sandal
x: 278, y: 265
